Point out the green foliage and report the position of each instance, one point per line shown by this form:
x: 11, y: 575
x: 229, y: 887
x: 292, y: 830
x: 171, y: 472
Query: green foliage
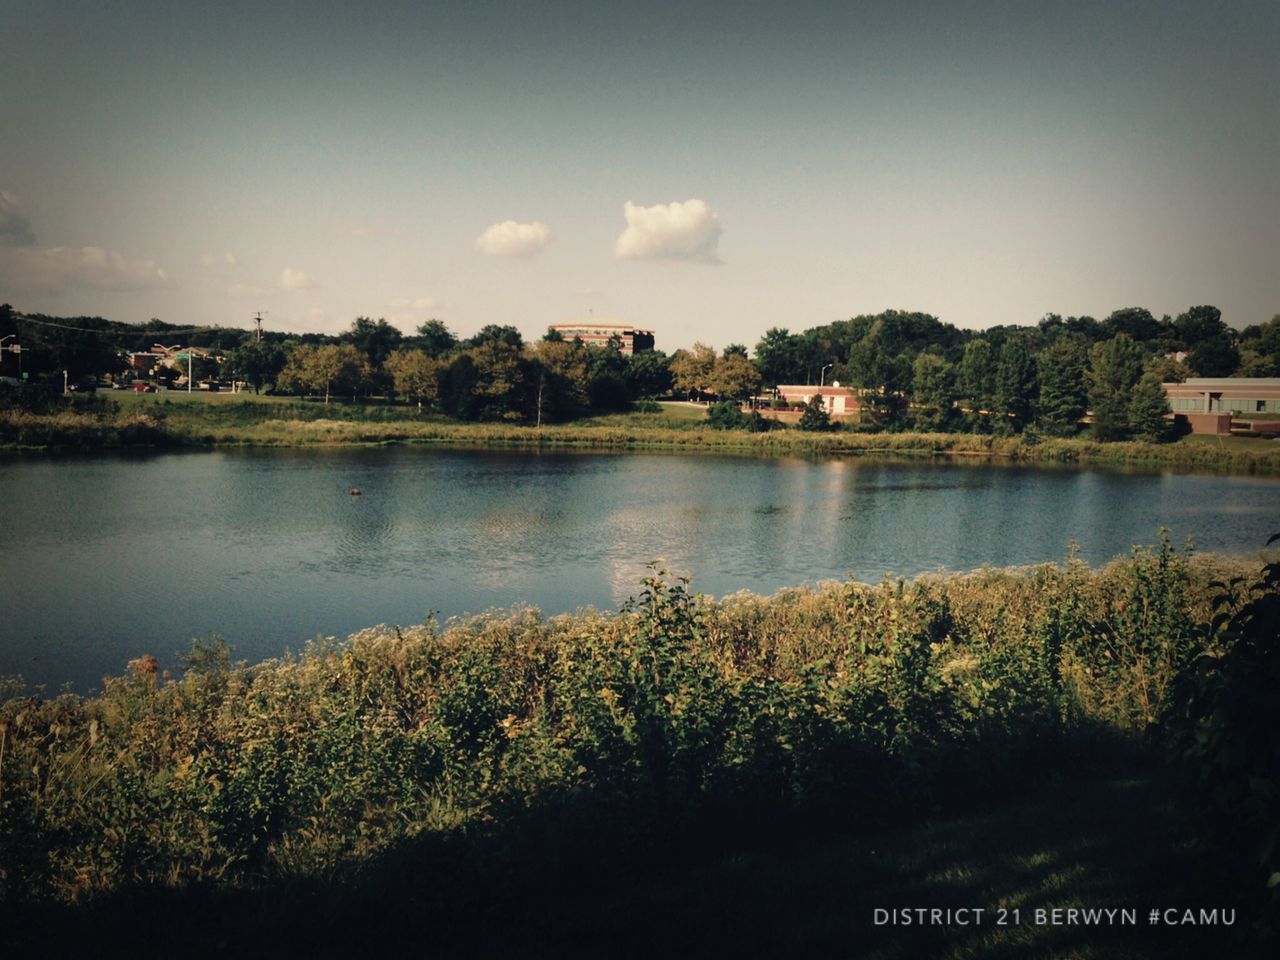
x: 1062, y: 387
x: 1114, y: 370
x: 727, y: 415
x: 1148, y: 409
x: 1215, y: 357
x: 1015, y: 388
x: 259, y: 364
x: 854, y: 697
x: 933, y: 385
x: 1229, y: 736
x: 815, y: 417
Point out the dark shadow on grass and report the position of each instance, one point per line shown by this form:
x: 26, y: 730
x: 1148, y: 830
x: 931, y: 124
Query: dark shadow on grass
x: 591, y: 876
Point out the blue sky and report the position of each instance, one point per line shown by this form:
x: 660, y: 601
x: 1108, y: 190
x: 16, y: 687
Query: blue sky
x: 708, y: 170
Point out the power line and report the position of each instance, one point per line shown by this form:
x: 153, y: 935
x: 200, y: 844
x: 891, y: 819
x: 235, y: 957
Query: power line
x: 125, y: 332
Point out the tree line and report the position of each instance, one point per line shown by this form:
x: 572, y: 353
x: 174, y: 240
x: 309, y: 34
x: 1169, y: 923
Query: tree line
x: 911, y: 370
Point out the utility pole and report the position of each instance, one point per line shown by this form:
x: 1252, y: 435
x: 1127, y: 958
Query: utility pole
x: 257, y: 318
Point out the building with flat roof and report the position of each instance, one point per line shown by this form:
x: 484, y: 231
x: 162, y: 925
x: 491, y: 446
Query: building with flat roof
x: 1209, y: 404
x: 836, y: 400
x: 632, y: 338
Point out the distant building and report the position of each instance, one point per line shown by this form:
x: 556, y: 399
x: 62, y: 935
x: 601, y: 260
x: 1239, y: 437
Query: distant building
x: 1209, y: 404
x: 632, y: 338
x: 836, y: 400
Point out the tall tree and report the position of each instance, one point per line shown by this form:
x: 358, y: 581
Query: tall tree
x: 436, y: 339
x: 315, y: 368
x: 692, y: 370
x: 416, y: 375
x: 1135, y: 322
x: 562, y: 379
x: 734, y: 377
x: 502, y: 389
x: 374, y: 338
x: 1063, y: 394
x: 781, y: 357
x: 934, y: 391
x: 1148, y: 409
x: 258, y: 364
x: 648, y: 374
x: 503, y: 333
x: 1115, y: 366
x: 1215, y: 357
x: 976, y: 378
x: 1198, y: 324
x: 1016, y: 387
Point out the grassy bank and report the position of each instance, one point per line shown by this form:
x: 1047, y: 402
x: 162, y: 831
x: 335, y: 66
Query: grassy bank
x: 453, y: 771
x: 178, y: 420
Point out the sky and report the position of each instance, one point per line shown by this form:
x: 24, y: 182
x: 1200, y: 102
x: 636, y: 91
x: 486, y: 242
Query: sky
x: 707, y: 170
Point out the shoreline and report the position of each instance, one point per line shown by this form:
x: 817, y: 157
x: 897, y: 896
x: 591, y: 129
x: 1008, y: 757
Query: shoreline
x: 177, y: 428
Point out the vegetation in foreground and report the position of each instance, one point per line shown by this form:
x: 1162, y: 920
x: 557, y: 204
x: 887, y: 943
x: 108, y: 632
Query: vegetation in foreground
x: 445, y: 784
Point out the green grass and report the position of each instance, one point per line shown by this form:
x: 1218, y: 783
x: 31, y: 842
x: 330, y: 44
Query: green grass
x: 179, y: 419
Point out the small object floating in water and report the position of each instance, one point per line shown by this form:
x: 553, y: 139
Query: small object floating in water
x: 354, y: 491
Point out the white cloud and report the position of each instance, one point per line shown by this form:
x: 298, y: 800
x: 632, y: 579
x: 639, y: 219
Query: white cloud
x: 670, y: 231
x: 211, y: 260
x: 291, y: 279
x: 249, y: 291
x: 15, y: 229
x: 511, y: 239
x: 413, y: 303
x: 60, y: 268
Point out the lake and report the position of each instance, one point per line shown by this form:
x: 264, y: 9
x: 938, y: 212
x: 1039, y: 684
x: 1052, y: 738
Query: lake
x: 108, y: 557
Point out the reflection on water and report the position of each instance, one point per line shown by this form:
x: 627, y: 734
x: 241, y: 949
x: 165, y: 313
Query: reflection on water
x: 109, y: 557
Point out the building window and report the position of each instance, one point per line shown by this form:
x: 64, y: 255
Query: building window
x: 1259, y: 406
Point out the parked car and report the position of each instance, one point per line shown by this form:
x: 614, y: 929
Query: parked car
x: 140, y: 387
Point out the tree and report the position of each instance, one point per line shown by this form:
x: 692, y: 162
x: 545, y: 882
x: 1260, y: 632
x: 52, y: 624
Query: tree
x: 735, y: 350
x: 1255, y: 364
x: 501, y: 333
x: 976, y: 378
x: 692, y: 370
x: 502, y: 387
x: 562, y: 379
x: 1165, y: 369
x: 1016, y: 387
x: 1199, y: 324
x: 1136, y: 322
x: 607, y: 386
x: 313, y: 368
x: 815, y: 417
x: 648, y: 374
x: 1063, y: 395
x: 933, y: 385
x: 258, y: 364
x: 1215, y: 357
x: 1148, y: 407
x: 734, y: 377
x: 884, y: 378
x: 458, y: 379
x: 416, y: 375
x: 727, y: 415
x: 1115, y: 366
x: 780, y: 356
x: 373, y: 338
x: 436, y: 339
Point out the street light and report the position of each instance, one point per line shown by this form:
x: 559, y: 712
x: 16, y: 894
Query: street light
x: 822, y: 380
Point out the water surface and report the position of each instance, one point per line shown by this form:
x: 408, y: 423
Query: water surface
x: 105, y: 558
